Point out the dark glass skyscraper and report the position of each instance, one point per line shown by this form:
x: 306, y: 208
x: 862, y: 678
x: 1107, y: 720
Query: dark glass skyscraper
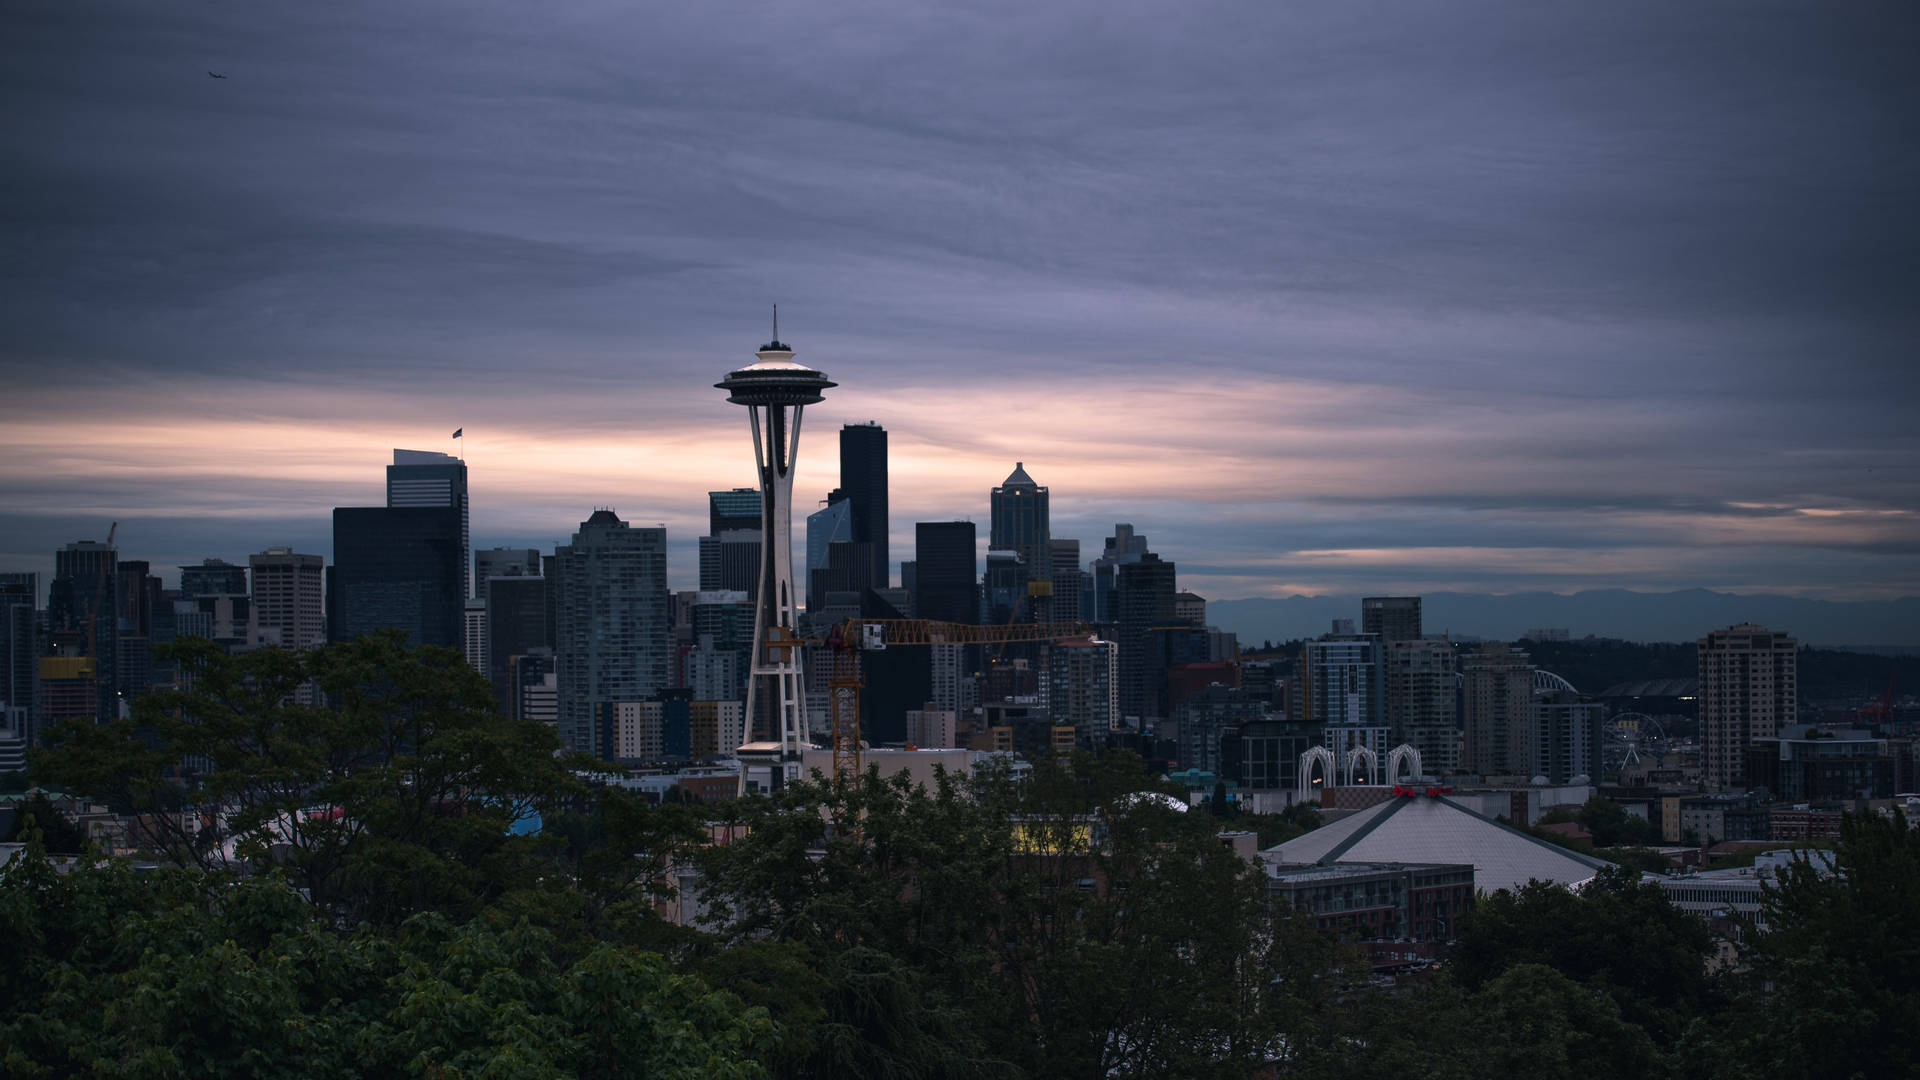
x: 863, y: 477
x: 19, y: 654
x: 1144, y: 599
x: 946, y: 583
x: 1393, y: 618
x: 401, y: 567
x: 430, y: 478
x: 83, y: 611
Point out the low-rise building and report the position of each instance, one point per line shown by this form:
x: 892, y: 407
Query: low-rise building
x: 1421, y: 901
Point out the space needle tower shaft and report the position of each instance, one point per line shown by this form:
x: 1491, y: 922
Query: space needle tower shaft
x: 775, y: 390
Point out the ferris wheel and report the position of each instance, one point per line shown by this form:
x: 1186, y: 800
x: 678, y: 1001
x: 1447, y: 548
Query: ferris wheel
x: 1626, y: 733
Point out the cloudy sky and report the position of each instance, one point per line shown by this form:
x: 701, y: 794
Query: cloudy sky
x: 1322, y: 297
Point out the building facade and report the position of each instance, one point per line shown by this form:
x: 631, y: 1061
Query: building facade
x: 863, y: 477
x: 1391, y: 618
x: 1749, y: 687
x: 289, y: 599
x: 420, y: 478
x: 1497, y: 682
x: 1422, y: 684
x: 613, y: 624
x: 397, y: 567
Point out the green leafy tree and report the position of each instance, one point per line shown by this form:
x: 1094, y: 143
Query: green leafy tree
x: 398, y: 800
x: 1832, y: 987
x: 1617, y: 935
x: 60, y: 836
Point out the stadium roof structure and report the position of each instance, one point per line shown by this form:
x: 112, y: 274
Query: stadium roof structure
x: 1435, y: 829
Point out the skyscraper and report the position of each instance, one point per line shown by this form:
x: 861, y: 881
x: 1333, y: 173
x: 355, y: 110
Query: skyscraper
x: 1143, y: 600
x: 1021, y: 522
x: 399, y: 567
x: 730, y: 552
x: 1422, y: 709
x: 614, y: 632
x: 1391, y: 618
x: 1340, y: 690
x: 19, y: 655
x: 1122, y: 547
x: 1498, y: 681
x: 863, y: 476
x: 1749, y: 686
x: 517, y: 613
x: 503, y: 562
x: 429, y: 478
x: 946, y: 582
x: 288, y: 606
x: 1083, y: 688
x: 830, y: 551
x: 82, y: 612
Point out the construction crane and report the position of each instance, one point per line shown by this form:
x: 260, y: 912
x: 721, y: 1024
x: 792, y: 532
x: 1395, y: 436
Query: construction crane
x: 847, y: 640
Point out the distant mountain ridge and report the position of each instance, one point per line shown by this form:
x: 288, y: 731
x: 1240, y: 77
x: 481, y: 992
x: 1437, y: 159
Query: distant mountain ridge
x: 1614, y: 613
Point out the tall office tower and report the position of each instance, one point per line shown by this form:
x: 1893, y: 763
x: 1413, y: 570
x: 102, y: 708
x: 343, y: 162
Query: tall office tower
x: 82, y: 613
x: 1391, y: 618
x: 1340, y: 689
x: 503, y: 562
x: 19, y: 656
x: 137, y: 594
x: 1063, y: 557
x: 1749, y: 686
x: 1498, y: 682
x: 1421, y: 702
x: 1121, y: 548
x: 517, y: 611
x: 730, y: 552
x: 863, y: 476
x: 1567, y: 731
x: 614, y: 629
x: 1143, y: 600
x: 1083, y: 688
x: 289, y: 606
x: 946, y: 582
x: 1190, y: 608
x: 714, y: 668
x: 398, y: 567
x: 831, y: 551
x: 776, y: 391
x: 1004, y: 586
x: 429, y: 478
x: 1021, y: 523
x: 214, y: 602
x: 213, y: 577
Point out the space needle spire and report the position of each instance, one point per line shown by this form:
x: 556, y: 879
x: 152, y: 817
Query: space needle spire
x: 775, y: 390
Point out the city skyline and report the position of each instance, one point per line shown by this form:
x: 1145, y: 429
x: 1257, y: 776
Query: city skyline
x: 1323, y: 302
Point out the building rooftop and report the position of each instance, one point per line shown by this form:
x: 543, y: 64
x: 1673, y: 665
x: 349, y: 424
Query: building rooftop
x: 1425, y: 829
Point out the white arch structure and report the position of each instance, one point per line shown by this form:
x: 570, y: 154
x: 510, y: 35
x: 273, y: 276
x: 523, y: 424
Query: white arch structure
x: 1318, y: 754
x: 1408, y: 755
x: 1363, y: 753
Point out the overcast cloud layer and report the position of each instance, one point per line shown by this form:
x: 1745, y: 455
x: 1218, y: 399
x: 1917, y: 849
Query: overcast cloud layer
x: 1321, y: 297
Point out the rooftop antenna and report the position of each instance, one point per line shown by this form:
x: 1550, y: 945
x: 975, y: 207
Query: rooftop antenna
x: 776, y: 322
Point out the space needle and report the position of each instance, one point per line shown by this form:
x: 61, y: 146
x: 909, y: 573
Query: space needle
x: 775, y: 390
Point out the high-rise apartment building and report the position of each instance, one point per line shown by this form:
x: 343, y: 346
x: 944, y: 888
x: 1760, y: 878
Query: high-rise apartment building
x: 398, y: 567
x: 1499, y: 721
x: 1083, y: 688
x: 289, y: 599
x: 1749, y: 687
x: 1422, y: 709
x: 1390, y: 618
x: 614, y: 625
x: 1340, y: 690
x: 946, y: 582
x: 1567, y: 731
x: 419, y: 478
x: 863, y: 477
x: 1068, y: 580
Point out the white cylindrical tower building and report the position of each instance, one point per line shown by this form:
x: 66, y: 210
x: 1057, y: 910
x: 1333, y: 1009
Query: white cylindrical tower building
x: 775, y: 390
